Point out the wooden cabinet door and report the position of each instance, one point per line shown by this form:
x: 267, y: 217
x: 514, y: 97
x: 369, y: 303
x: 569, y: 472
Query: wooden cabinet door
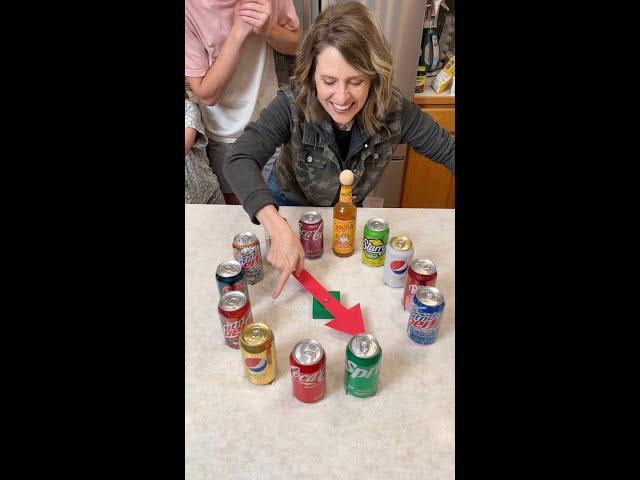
x: 446, y: 117
x: 428, y: 184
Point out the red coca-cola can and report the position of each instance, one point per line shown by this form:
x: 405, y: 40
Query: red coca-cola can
x: 311, y: 234
x: 422, y: 271
x: 235, y: 312
x: 307, y: 361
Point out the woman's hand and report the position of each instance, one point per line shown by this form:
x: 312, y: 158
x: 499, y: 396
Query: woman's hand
x: 285, y: 253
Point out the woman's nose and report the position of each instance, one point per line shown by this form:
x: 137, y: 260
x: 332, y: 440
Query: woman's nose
x: 341, y: 94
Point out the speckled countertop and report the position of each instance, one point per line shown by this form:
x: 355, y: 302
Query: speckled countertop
x: 236, y: 430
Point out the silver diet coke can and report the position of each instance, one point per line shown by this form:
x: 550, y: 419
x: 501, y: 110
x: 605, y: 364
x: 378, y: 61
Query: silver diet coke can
x: 397, y: 261
x: 246, y: 250
x: 311, y: 234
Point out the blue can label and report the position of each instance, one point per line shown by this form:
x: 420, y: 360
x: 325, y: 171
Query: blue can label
x: 424, y: 322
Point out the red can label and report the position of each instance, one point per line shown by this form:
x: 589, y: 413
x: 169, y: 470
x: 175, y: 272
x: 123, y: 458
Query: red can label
x: 239, y: 286
x: 233, y: 323
x: 415, y: 280
x: 307, y: 361
x: 308, y: 387
x: 311, y: 235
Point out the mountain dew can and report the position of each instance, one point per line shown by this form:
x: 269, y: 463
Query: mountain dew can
x: 362, y: 365
x: 374, y: 242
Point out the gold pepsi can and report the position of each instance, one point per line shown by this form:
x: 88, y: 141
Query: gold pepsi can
x: 258, y: 351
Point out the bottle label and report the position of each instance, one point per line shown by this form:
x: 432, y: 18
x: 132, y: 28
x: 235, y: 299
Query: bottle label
x: 345, y: 193
x: 344, y: 235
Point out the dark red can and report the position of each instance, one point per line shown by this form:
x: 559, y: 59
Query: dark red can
x: 307, y: 361
x: 235, y: 312
x: 422, y: 271
x: 311, y: 234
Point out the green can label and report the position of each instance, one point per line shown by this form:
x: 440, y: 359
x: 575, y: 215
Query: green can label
x: 374, y: 242
x: 361, y: 381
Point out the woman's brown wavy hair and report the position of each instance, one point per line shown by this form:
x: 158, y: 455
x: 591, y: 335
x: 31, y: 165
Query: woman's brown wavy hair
x: 355, y: 32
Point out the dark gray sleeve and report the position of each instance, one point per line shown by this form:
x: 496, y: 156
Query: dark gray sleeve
x: 426, y: 136
x: 251, y: 151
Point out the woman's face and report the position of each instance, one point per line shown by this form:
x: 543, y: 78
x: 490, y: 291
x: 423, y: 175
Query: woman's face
x: 342, y: 90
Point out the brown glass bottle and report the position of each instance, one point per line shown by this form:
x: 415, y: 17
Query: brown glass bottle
x: 344, y: 218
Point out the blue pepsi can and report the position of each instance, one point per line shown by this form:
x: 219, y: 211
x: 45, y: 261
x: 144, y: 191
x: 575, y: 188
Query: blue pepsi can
x: 426, y: 315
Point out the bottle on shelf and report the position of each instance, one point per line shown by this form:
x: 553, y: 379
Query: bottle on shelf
x: 344, y: 218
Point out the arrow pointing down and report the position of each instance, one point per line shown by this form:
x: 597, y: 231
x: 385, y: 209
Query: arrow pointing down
x: 345, y: 320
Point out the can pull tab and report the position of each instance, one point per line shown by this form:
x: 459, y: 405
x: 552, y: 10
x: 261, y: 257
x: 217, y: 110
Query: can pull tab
x: 364, y: 346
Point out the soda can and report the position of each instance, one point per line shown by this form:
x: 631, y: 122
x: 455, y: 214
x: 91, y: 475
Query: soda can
x: 258, y: 352
x: 307, y: 362
x: 396, y: 262
x: 422, y: 271
x: 312, y: 234
x: 230, y: 276
x: 246, y: 250
x: 374, y: 242
x: 235, y: 312
x: 426, y: 315
x: 362, y: 365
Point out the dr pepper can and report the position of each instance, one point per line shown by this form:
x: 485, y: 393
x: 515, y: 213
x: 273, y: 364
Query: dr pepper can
x: 307, y: 361
x: 421, y: 272
x: 230, y: 276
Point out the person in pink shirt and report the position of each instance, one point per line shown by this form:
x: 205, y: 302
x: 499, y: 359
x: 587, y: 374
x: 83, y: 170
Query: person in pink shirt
x: 229, y: 66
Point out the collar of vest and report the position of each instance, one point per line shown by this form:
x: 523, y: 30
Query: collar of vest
x: 319, y: 134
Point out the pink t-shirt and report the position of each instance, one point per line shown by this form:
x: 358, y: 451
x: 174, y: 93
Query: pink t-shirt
x: 254, y: 83
x: 207, y: 24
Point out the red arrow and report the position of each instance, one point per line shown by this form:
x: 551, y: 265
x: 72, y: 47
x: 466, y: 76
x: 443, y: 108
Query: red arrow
x: 345, y: 320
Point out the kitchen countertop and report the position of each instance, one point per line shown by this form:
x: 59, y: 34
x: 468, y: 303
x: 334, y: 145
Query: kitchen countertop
x: 430, y: 97
x: 237, y: 430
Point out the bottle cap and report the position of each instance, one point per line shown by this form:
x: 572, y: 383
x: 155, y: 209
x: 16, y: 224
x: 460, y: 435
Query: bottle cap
x: 346, y: 177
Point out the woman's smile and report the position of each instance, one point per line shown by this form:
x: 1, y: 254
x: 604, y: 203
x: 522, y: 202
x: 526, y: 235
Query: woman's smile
x: 342, y: 90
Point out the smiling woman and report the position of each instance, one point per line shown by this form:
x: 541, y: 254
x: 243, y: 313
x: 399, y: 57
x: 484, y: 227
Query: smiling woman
x: 343, y: 95
x: 346, y: 44
x: 340, y: 112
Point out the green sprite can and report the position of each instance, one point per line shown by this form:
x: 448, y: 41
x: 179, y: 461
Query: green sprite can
x: 362, y: 366
x: 374, y: 242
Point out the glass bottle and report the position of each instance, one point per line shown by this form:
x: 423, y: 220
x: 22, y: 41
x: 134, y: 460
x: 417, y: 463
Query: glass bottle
x: 344, y: 218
